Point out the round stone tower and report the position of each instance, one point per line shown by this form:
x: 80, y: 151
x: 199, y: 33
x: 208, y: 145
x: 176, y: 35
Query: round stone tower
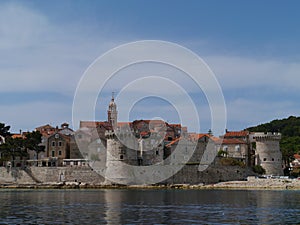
x: 268, y: 154
x: 116, y: 160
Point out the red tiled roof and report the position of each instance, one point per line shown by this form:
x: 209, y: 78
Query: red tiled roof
x: 194, y: 136
x: 216, y: 139
x: 47, y: 126
x: 173, y: 142
x: 227, y: 141
x: 233, y: 141
x: 174, y: 125
x: 297, y: 156
x: 242, y: 133
x: 17, y: 136
x: 93, y: 124
x: 144, y: 133
x: 123, y: 124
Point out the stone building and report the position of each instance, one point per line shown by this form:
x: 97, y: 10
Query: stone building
x: 255, y: 148
x: 119, y: 148
x: 267, y: 152
x: 58, y: 147
x: 46, y: 130
x: 233, y: 148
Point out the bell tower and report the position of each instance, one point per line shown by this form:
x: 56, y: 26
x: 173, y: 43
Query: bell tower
x: 112, y: 113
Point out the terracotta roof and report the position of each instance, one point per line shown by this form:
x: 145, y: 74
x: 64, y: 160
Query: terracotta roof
x: 17, y: 136
x: 216, y: 139
x: 47, y: 126
x: 93, y: 124
x: 227, y: 141
x: 195, y: 136
x: 297, y: 156
x: 175, y: 125
x: 144, y: 133
x: 242, y: 133
x: 89, y: 124
x: 123, y: 124
x: 173, y: 142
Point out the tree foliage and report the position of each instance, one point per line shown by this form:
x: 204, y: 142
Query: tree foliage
x: 259, y: 169
x: 33, y: 141
x: 12, y: 148
x: 4, y: 130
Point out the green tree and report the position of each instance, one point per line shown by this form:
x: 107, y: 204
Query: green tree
x: 33, y: 142
x: 259, y: 169
x: 4, y: 130
x: 12, y: 148
x: 289, y: 146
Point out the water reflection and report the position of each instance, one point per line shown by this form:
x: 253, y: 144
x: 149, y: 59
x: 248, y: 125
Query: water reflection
x: 148, y: 206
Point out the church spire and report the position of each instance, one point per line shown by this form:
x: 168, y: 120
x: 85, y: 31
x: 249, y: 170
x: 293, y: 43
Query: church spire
x: 112, y: 113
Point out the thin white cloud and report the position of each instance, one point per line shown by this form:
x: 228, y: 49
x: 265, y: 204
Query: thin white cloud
x: 243, y: 72
x: 38, y: 56
x: 20, y: 27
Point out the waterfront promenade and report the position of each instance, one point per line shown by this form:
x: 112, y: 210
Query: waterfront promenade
x: 255, y: 183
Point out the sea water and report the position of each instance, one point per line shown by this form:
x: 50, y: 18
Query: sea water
x: 136, y: 206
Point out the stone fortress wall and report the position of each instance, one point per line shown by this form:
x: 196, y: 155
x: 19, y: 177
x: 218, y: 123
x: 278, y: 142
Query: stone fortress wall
x: 129, y: 148
x: 189, y: 174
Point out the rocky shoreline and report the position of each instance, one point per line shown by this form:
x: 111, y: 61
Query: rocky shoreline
x: 252, y: 183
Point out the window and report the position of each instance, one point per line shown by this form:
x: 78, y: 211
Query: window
x: 157, y: 152
x: 140, y: 162
x: 265, y: 159
x: 237, y: 148
x: 59, y: 152
x: 53, y: 143
x: 225, y: 148
x: 59, y: 143
x: 272, y: 159
x: 53, y: 153
x: 121, y: 157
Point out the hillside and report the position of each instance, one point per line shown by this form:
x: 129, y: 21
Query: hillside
x: 290, y: 130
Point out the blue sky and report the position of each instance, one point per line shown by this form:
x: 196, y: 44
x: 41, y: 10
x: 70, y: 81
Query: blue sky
x: 252, y: 47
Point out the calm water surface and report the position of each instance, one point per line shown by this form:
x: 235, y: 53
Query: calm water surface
x: 149, y: 207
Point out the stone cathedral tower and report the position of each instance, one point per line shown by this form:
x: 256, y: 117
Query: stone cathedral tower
x: 112, y: 113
